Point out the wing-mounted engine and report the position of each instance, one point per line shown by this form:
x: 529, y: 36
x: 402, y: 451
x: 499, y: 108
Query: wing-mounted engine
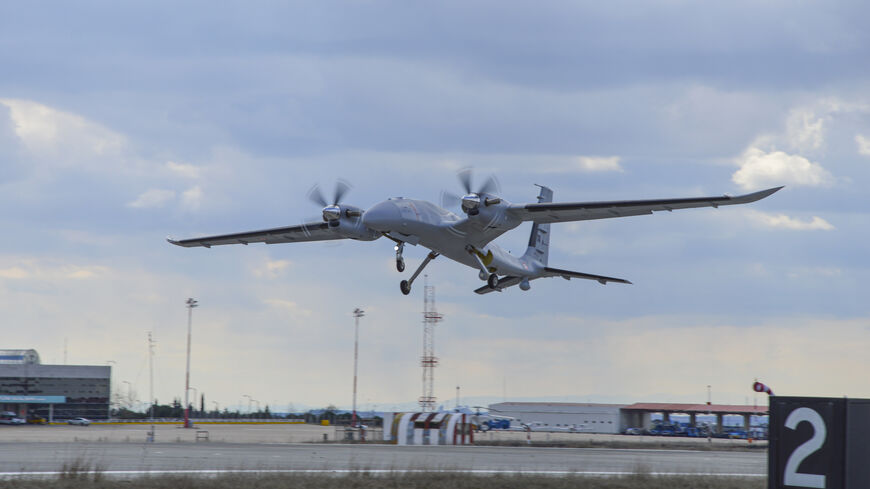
x: 487, y: 216
x: 350, y: 224
x: 344, y: 219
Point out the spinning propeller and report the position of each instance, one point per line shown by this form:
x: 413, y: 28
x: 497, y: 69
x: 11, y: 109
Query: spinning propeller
x: 332, y: 212
x: 470, y: 202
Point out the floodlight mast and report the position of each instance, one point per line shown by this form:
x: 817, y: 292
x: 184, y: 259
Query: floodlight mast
x: 150, y: 436
x: 357, y: 313
x: 191, y: 303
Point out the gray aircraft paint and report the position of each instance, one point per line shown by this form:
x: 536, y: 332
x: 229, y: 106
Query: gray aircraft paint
x: 465, y: 239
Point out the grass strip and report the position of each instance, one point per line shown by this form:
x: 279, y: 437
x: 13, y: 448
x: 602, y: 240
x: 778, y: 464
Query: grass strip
x: 362, y: 480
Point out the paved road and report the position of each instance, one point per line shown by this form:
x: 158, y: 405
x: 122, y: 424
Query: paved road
x: 157, y: 457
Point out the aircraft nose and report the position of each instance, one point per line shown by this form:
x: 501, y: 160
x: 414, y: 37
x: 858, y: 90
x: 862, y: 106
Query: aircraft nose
x: 382, y: 217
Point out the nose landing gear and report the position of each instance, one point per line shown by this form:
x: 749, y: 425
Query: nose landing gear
x: 400, y: 262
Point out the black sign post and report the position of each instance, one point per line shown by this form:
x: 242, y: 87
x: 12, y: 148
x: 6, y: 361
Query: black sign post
x: 819, y: 442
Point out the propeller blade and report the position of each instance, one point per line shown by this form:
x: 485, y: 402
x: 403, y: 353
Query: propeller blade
x: 465, y: 178
x: 341, y: 188
x: 316, y: 196
x: 490, y: 186
x: 450, y: 200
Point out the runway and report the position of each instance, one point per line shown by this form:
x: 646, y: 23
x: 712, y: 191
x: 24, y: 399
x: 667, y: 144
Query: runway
x: 210, y: 457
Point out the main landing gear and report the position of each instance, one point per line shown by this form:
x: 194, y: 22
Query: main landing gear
x: 405, y: 285
x: 484, y: 274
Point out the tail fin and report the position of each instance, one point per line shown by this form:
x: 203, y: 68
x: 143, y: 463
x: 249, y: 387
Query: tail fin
x: 539, y: 241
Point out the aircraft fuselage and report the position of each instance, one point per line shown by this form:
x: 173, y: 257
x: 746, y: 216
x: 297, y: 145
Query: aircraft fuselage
x: 421, y: 222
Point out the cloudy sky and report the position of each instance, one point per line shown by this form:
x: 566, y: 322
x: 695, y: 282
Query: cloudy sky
x: 121, y: 124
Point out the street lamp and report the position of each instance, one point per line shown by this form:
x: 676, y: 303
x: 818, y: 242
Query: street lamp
x: 129, y: 393
x: 249, y: 402
x: 195, y: 395
x: 191, y: 303
x: 357, y: 313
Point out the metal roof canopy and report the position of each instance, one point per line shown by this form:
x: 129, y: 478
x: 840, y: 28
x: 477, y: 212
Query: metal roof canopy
x: 661, y: 407
x: 33, y: 399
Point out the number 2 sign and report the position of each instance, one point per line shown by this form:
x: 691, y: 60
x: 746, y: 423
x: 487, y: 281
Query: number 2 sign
x: 818, y: 442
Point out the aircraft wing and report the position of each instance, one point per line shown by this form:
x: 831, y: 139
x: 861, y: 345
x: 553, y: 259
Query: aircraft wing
x: 509, y: 281
x: 582, y: 211
x: 568, y: 275
x: 314, y: 231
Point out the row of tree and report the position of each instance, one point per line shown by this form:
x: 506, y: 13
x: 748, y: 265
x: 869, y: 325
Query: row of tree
x: 176, y: 410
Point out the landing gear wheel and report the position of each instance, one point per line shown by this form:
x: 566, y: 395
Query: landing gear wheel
x: 492, y: 281
x: 405, y: 287
x: 400, y: 265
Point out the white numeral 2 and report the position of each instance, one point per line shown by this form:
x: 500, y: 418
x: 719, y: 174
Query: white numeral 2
x: 792, y: 476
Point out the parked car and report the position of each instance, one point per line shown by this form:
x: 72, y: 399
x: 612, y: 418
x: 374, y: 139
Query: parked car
x: 79, y: 421
x: 8, y: 417
x: 738, y: 434
x: 634, y: 431
x: 36, y: 419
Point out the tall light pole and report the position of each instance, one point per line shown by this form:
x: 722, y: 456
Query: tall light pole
x: 709, y: 406
x: 129, y: 392
x: 249, y: 402
x: 191, y: 303
x: 357, y: 313
x: 150, y: 436
x: 195, y: 395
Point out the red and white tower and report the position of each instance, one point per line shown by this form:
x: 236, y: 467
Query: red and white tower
x: 429, y: 361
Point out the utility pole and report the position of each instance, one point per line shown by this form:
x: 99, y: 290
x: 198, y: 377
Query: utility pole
x: 191, y: 303
x: 357, y: 313
x: 150, y: 436
x: 709, y: 406
x: 428, y: 361
x: 129, y: 393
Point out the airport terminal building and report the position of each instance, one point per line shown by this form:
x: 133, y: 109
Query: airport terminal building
x: 55, y: 392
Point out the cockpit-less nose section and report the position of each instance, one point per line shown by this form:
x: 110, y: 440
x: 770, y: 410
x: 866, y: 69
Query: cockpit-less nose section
x: 465, y: 238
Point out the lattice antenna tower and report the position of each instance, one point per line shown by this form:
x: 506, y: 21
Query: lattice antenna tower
x: 429, y: 361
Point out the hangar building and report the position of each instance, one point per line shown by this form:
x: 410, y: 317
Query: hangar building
x: 556, y: 416
x: 52, y: 391
x: 615, y: 418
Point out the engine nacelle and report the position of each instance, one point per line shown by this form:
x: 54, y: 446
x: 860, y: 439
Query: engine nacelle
x: 346, y: 219
x: 525, y: 285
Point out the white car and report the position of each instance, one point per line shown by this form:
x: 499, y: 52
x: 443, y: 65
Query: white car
x: 79, y: 421
x: 8, y: 417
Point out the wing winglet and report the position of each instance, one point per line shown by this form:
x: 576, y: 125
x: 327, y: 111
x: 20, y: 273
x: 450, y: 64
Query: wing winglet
x: 755, y: 196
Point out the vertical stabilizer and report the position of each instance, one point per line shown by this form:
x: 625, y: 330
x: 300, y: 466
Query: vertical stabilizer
x: 539, y: 241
